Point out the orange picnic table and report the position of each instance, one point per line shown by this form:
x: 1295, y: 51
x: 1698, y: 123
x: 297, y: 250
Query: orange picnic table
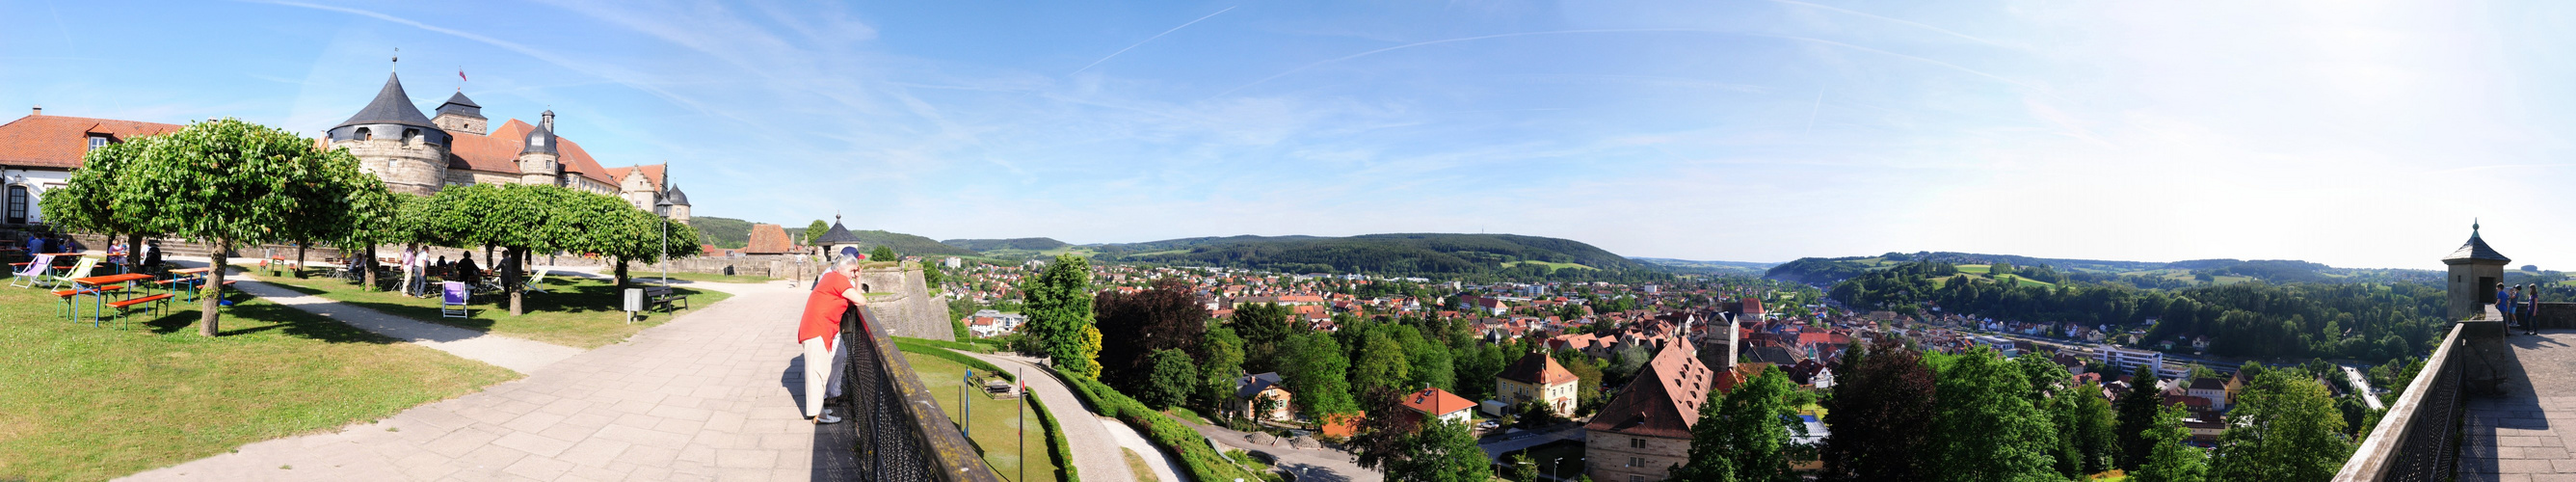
x: 97, y: 288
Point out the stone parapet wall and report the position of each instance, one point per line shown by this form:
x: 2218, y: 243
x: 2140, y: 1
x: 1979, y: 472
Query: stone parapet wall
x: 2556, y: 315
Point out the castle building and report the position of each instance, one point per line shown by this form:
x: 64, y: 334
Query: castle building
x: 38, y: 153
x: 418, y: 154
x: 2477, y: 271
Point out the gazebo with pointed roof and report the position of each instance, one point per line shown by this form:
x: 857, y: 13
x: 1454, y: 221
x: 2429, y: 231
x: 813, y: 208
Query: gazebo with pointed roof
x: 834, y: 239
x: 2477, y: 271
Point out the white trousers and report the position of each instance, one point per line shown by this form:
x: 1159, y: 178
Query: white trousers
x: 822, y: 379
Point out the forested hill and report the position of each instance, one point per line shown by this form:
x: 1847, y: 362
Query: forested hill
x: 722, y: 232
x: 2144, y: 274
x: 1511, y: 256
x: 908, y: 245
x: 1028, y: 244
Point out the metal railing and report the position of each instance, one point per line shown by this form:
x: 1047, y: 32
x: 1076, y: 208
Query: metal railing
x: 902, y: 435
x: 2417, y: 439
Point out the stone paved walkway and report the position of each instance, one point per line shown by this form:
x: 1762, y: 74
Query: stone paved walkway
x: 523, y: 355
x: 703, y: 397
x: 2528, y: 433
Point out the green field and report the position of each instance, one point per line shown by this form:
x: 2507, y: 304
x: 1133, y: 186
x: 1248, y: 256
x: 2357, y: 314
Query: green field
x: 84, y: 403
x: 995, y: 423
x: 1549, y: 265
x: 574, y: 312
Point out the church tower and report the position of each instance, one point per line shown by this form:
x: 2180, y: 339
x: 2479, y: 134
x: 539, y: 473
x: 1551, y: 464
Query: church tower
x: 460, y: 114
x: 394, y: 142
x: 2476, y: 271
x: 537, y: 158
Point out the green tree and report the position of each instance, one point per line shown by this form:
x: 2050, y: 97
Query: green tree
x: 1220, y: 361
x: 1265, y: 329
x: 1443, y: 452
x: 2138, y: 408
x: 1318, y: 373
x: 1745, y: 434
x: 1380, y: 362
x: 1884, y: 395
x: 2284, y: 427
x: 882, y: 253
x: 624, y: 234
x: 1987, y: 429
x: 931, y: 274
x: 523, y: 219
x: 1173, y: 377
x: 1519, y: 468
x: 1059, y: 309
x: 233, y: 183
x: 814, y: 230
x: 2168, y: 460
x: 1431, y: 361
x: 2092, y: 433
x: 89, y: 201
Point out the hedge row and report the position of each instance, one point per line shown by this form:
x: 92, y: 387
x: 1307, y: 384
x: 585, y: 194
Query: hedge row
x: 964, y: 347
x: 1058, y: 448
x: 1200, y: 458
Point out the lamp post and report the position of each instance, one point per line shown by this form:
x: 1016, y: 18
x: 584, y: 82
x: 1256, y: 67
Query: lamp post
x: 665, y: 206
x: 1554, y: 467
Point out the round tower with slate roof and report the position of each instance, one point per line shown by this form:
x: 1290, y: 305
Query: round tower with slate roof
x: 395, y: 142
x: 2476, y: 271
x: 538, y: 161
x: 460, y: 114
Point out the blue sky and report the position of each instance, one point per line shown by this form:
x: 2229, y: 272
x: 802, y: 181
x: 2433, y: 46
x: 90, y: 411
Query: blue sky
x: 2355, y: 133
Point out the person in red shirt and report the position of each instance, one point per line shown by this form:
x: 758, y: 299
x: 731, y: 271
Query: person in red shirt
x: 820, y: 329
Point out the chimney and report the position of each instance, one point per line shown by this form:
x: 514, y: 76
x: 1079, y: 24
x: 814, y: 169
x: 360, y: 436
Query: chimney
x: 40, y: 110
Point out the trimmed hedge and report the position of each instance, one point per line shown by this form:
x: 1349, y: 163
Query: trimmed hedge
x: 994, y: 344
x: 964, y: 347
x: 1197, y: 456
x: 1057, y: 447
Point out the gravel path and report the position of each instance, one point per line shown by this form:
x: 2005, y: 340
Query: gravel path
x: 1095, y: 450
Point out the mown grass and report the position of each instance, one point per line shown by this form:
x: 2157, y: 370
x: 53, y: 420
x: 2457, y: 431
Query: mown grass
x: 995, y: 426
x: 575, y: 312
x: 84, y: 403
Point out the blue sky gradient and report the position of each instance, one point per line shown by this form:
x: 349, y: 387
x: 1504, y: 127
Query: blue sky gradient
x: 2354, y: 133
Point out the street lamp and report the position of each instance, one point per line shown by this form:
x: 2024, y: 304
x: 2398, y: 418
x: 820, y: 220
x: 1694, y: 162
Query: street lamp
x: 1555, y: 466
x: 665, y: 205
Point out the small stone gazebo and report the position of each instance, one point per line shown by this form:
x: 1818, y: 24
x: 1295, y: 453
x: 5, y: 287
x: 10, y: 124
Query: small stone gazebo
x: 2476, y: 271
x: 831, y: 242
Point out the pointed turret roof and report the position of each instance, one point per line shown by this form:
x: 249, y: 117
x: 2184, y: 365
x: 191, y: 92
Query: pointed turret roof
x: 837, y: 235
x: 459, y: 105
x: 2475, y: 251
x: 541, y: 140
x: 674, y: 196
x: 391, y: 106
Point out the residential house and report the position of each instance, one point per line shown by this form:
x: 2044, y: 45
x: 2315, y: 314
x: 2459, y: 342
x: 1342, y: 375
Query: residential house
x: 1250, y: 389
x: 1645, y: 429
x: 1440, y: 405
x: 1537, y: 378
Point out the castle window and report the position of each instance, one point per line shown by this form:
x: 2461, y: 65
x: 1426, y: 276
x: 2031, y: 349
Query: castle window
x: 97, y: 141
x: 411, y: 136
x: 17, y: 204
x: 364, y: 134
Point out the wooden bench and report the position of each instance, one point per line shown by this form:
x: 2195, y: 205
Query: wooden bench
x: 660, y: 298
x: 125, y: 308
x: 68, y: 294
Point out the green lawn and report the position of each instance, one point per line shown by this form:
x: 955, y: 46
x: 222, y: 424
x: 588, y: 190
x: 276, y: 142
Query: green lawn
x: 1136, y: 464
x: 1976, y: 268
x: 994, y: 424
x: 575, y: 312
x: 83, y: 403
x: 1547, y: 456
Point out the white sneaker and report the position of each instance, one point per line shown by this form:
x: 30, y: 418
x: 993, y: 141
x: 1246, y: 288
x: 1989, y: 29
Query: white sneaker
x: 826, y: 419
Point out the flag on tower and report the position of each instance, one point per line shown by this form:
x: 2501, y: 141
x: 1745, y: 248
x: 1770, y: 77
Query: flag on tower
x: 460, y: 75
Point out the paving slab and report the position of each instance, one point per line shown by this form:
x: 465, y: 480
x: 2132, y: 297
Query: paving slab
x: 699, y: 398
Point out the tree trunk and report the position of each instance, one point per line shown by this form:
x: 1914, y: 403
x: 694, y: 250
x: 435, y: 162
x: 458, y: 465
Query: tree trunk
x: 299, y: 259
x: 134, y: 252
x: 211, y: 296
x: 369, y: 264
x: 510, y: 278
x: 621, y: 273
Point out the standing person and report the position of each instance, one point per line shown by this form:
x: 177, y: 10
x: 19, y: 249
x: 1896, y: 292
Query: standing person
x: 2511, y: 295
x: 2531, y: 308
x: 466, y: 271
x: 152, y: 254
x: 820, y: 331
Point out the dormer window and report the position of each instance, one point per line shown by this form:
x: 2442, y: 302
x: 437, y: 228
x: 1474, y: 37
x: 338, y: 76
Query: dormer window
x: 536, y: 141
x: 364, y: 134
x: 411, y: 136
x: 97, y: 141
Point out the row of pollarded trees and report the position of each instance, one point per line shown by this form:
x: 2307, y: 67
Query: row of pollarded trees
x: 231, y: 183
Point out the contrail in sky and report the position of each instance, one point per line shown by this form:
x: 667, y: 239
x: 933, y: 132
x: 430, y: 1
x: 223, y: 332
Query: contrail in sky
x: 1811, y: 112
x: 1113, y: 55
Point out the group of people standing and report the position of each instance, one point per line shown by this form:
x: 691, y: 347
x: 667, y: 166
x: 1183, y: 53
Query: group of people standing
x: 2520, y: 304
x: 836, y: 295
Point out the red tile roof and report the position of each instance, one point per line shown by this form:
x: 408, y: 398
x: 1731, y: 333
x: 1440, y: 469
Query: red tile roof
x: 1538, y: 368
x: 1436, y: 402
x: 1664, y: 400
x: 499, y: 152
x: 768, y: 239
x: 58, y: 141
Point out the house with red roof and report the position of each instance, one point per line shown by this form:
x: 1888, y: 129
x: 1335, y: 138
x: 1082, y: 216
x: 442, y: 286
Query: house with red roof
x: 38, y: 152
x: 1440, y: 405
x: 1537, y: 378
x: 1645, y: 429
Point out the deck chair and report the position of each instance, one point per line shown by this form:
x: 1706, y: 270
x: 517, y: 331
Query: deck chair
x: 452, y: 301
x: 34, y: 272
x: 80, y: 269
x: 533, y: 283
